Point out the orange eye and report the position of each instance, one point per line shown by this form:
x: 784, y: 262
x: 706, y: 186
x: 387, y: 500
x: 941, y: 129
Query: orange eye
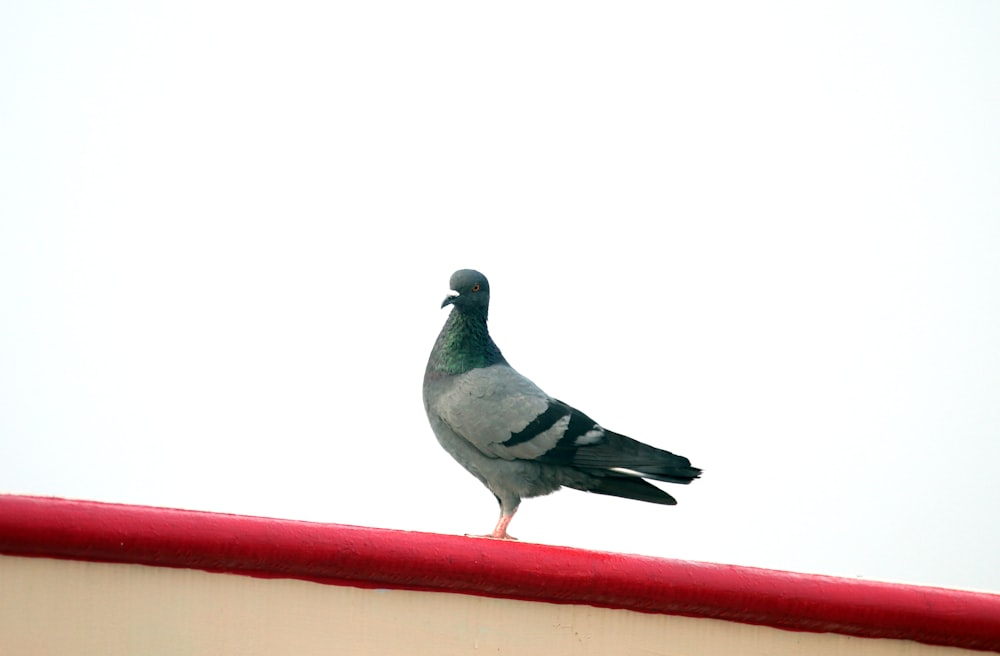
x: 475, y: 287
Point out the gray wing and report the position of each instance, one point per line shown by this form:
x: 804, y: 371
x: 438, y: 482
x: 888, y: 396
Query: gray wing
x: 494, y: 408
x: 505, y: 415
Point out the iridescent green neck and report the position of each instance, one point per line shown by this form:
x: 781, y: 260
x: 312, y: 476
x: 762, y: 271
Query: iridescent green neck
x: 464, y: 343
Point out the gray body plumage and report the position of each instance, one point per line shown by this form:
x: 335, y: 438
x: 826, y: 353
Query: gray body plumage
x: 518, y: 441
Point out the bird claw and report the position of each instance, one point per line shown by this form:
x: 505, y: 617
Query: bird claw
x: 493, y: 536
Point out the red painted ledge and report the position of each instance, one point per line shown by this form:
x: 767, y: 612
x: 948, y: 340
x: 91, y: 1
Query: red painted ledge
x: 367, y: 557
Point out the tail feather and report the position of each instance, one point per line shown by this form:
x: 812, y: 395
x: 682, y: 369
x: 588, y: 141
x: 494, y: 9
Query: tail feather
x: 629, y: 488
x: 679, y: 475
x: 619, y: 452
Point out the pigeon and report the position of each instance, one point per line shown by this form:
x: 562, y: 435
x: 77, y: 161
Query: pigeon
x: 516, y: 439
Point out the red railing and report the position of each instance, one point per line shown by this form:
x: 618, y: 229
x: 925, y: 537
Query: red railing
x: 367, y: 557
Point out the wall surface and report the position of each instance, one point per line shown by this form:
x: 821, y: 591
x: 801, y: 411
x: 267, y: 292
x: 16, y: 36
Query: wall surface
x: 82, y: 577
x: 51, y: 607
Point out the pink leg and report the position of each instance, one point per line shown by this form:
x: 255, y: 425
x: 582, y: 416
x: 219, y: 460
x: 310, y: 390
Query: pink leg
x: 500, y: 531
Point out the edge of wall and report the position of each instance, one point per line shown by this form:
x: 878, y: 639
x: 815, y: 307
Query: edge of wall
x: 381, y: 558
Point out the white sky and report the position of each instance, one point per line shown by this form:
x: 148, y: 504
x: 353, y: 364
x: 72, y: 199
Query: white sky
x: 763, y: 235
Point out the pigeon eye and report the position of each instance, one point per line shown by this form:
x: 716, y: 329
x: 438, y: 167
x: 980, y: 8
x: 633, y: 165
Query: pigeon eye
x: 475, y: 287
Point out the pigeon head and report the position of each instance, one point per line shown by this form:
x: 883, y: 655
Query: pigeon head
x: 464, y: 343
x: 470, y: 289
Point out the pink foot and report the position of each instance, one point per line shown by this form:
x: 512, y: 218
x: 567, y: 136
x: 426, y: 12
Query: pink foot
x: 492, y: 536
x: 500, y: 532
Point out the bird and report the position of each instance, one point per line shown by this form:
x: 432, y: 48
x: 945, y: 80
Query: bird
x: 516, y: 439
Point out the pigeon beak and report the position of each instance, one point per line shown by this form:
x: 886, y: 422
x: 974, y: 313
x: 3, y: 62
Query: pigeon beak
x: 452, y: 296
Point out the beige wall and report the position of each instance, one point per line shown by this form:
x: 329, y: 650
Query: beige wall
x: 66, y: 608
